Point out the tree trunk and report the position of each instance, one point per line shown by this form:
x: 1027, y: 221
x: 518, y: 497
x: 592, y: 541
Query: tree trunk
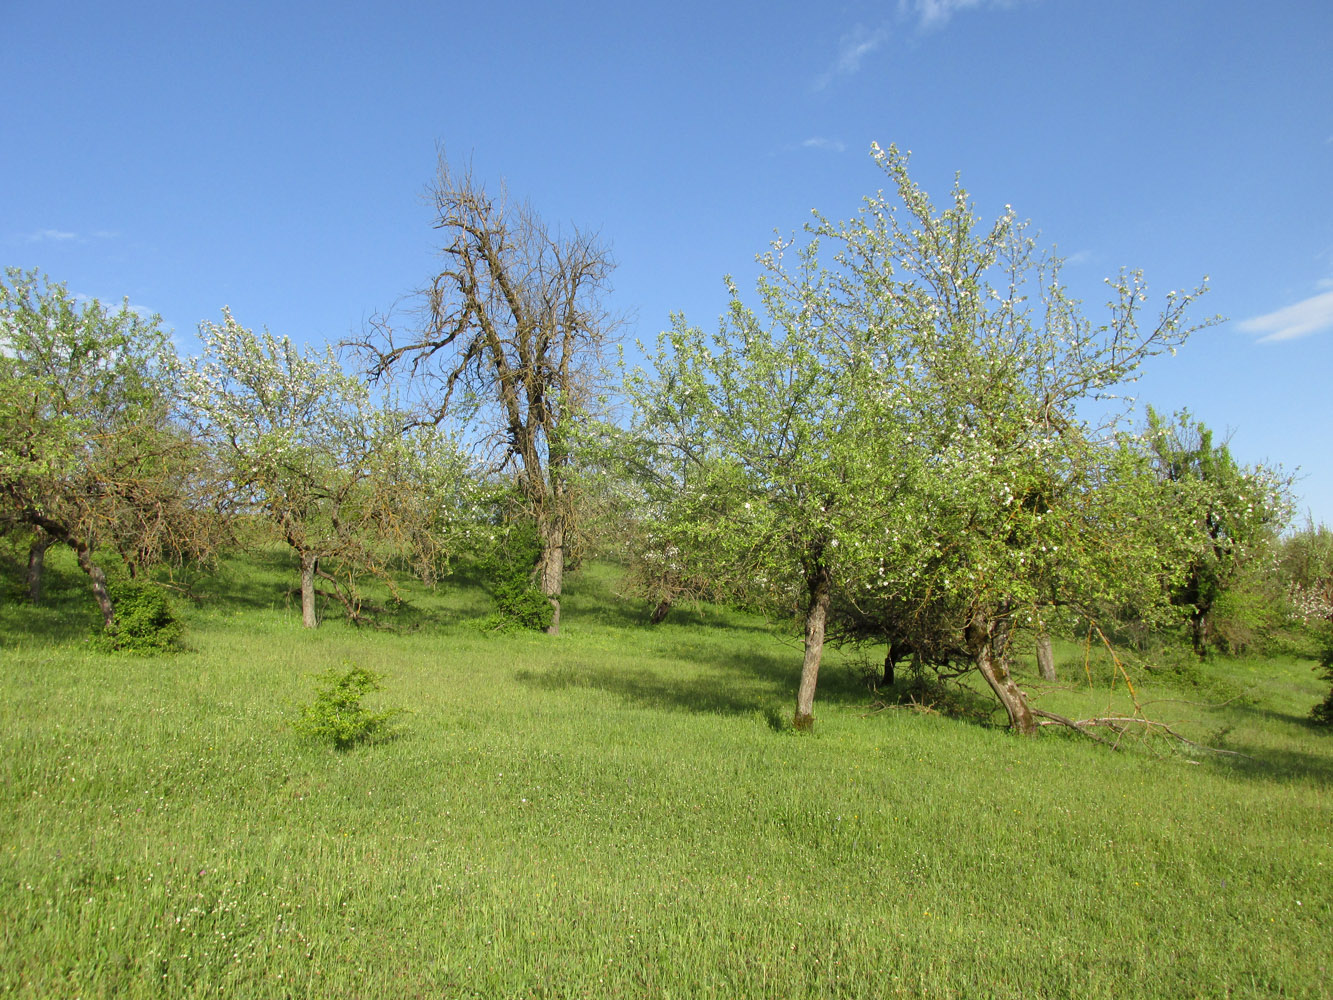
x: 41, y: 541
x: 309, y: 564
x: 1045, y: 657
x: 1199, y: 629
x: 896, y: 651
x: 816, y: 617
x: 550, y: 570
x: 98, y: 578
x: 980, y: 635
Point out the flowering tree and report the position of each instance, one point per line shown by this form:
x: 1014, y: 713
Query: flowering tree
x: 905, y: 429
x: 788, y: 432
x: 342, y: 480
x: 88, y: 454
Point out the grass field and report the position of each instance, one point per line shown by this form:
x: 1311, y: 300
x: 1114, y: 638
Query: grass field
x: 619, y: 811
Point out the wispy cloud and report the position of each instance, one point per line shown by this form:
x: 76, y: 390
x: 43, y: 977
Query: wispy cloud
x: 1311, y: 315
x: 50, y: 236
x: 63, y: 236
x: 937, y: 13
x: 852, y: 50
x: 819, y: 142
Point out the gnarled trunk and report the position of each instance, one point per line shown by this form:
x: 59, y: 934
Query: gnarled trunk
x: 816, y: 618
x: 981, y: 634
x: 83, y: 553
x: 95, y: 574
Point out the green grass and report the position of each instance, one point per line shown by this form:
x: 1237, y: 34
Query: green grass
x: 619, y: 812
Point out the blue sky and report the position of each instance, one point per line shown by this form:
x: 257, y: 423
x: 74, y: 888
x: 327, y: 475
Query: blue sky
x: 273, y: 157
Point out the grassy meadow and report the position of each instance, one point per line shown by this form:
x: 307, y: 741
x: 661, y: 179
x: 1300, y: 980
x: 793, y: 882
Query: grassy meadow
x: 621, y: 811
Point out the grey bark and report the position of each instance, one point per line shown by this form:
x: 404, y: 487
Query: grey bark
x: 816, y: 619
x: 1045, y: 657
x: 41, y: 541
x: 309, y: 564
x: 550, y: 570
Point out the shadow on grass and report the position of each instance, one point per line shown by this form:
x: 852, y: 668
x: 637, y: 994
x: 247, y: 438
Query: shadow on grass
x: 1269, y: 764
x: 67, y: 611
x: 732, y: 684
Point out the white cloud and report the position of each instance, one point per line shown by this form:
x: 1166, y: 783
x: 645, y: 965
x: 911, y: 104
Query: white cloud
x: 936, y: 13
x: 852, y: 49
x: 50, y: 235
x: 1310, y: 315
x: 819, y: 142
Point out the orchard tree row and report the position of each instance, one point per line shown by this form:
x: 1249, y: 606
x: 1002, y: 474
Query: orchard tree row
x: 908, y: 437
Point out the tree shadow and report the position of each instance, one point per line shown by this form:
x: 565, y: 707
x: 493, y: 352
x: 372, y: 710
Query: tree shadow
x: 67, y: 611
x: 732, y: 684
x: 1268, y: 764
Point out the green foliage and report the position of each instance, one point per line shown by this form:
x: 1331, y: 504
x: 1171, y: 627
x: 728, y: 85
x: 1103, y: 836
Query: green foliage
x: 337, y: 716
x: 88, y: 450
x: 145, y: 622
x: 900, y: 421
x: 1233, y: 514
x: 519, y: 604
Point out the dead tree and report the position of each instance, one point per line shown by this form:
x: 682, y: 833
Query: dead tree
x: 512, y: 337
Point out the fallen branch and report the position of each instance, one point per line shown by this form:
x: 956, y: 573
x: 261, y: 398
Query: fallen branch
x: 1122, y: 724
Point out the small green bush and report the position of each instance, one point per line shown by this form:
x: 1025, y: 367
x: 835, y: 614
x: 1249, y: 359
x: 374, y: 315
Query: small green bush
x: 145, y: 622
x: 337, y: 716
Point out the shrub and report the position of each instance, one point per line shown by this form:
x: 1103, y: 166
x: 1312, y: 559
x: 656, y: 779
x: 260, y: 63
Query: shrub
x: 1323, y: 712
x: 518, y: 602
x: 145, y: 622
x: 337, y: 716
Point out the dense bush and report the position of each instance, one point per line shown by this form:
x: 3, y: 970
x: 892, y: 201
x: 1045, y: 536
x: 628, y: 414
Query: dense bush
x: 519, y: 604
x: 145, y: 621
x: 337, y: 716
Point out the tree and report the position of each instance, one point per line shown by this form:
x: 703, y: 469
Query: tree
x: 302, y: 443
x: 513, y: 335
x: 89, y: 454
x: 907, y: 427
x: 1025, y: 499
x: 1236, y: 514
x: 786, y: 431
